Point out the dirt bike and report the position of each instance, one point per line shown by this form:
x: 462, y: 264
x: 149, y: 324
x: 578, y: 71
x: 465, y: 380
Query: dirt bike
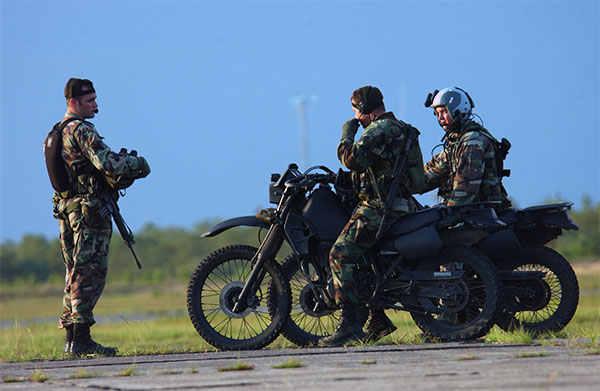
x: 240, y: 298
x: 540, y: 303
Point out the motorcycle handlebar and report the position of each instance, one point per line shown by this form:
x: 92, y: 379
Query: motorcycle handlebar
x: 310, y: 180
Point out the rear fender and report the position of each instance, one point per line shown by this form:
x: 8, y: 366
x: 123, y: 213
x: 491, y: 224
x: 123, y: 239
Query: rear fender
x: 556, y: 215
x: 246, y: 221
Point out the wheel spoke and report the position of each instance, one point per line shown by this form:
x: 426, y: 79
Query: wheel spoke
x: 554, y: 291
x: 213, y: 292
x: 305, y: 327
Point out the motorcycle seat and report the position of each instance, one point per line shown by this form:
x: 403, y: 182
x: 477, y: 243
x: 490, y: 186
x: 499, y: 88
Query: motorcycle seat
x: 413, y: 221
x: 508, y: 216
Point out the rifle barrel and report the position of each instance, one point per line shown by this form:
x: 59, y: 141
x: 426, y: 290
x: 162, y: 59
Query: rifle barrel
x: 139, y: 265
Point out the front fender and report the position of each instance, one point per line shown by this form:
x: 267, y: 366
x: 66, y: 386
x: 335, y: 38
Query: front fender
x: 247, y: 221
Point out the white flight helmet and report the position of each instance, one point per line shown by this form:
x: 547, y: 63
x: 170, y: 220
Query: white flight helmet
x: 456, y: 100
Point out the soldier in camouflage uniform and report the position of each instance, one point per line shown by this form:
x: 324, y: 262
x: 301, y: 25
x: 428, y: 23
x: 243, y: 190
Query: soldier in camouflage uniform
x: 466, y: 170
x: 371, y: 160
x: 84, y: 233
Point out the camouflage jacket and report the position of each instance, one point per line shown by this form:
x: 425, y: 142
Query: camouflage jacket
x: 465, y: 171
x: 372, y: 159
x: 89, y: 161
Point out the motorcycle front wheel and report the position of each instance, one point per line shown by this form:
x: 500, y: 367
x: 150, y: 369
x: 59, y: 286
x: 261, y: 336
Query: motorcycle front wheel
x: 213, y: 291
x: 477, y: 304
x: 553, y: 300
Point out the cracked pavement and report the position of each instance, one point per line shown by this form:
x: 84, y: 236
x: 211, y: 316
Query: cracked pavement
x: 566, y: 365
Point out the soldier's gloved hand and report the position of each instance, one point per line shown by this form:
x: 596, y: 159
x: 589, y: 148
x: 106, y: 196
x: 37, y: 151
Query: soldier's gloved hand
x: 143, y: 169
x: 349, y: 129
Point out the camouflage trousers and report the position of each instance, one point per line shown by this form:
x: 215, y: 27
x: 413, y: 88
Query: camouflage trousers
x: 357, y: 237
x: 84, y: 242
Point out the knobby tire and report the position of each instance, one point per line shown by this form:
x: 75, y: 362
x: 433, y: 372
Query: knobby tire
x: 484, y: 287
x: 562, y: 287
x: 213, y: 284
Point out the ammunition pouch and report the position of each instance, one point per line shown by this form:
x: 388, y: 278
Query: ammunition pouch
x: 92, y: 210
x: 63, y: 206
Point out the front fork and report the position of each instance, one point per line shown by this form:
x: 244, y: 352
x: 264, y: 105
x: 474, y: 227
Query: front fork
x: 267, y: 250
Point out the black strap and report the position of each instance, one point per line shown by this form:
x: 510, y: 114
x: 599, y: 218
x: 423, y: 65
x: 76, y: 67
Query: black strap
x: 62, y: 125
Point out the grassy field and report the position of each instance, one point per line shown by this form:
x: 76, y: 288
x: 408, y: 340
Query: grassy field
x: 31, y: 333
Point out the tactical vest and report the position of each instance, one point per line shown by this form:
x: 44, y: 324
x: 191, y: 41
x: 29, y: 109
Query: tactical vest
x: 500, y: 151
x: 70, y: 176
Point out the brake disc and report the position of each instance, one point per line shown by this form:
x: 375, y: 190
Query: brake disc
x: 228, y: 298
x: 308, y: 303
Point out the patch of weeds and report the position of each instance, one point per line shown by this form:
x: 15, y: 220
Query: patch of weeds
x: 497, y: 335
x: 468, y: 357
x: 394, y: 361
x: 399, y: 340
x: 368, y: 362
x: 553, y: 338
x: 131, y: 371
x: 239, y: 366
x: 38, y: 377
x: 193, y: 369
x: 11, y: 379
x: 592, y: 334
x: 362, y: 343
x: 291, y: 363
x: 412, y: 339
x: 83, y: 374
x: 426, y: 338
x: 421, y: 339
x: 531, y: 354
x: 593, y: 351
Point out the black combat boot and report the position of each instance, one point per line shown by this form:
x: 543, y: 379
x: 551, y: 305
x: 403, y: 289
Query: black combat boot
x: 349, y: 329
x: 84, y: 344
x: 378, y: 325
x: 68, y: 338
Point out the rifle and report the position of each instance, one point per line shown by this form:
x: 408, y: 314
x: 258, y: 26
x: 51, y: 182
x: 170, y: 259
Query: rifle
x: 111, y: 206
x: 399, y: 175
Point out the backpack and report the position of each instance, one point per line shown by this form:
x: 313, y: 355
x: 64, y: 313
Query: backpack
x: 55, y: 164
x: 501, y: 149
x: 415, y: 170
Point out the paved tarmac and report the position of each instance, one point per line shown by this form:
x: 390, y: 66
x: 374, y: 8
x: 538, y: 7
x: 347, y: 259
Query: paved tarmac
x: 441, y: 366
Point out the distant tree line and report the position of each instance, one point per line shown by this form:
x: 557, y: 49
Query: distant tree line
x: 165, y: 253
x: 584, y: 243
x: 173, y: 253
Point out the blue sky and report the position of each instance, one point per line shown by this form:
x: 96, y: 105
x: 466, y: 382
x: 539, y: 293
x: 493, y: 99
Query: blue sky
x: 205, y: 91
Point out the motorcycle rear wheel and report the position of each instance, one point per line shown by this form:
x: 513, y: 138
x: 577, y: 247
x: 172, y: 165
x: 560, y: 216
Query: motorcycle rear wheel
x: 483, y: 288
x: 552, y: 308
x: 211, y: 294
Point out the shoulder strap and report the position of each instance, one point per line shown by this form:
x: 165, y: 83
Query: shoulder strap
x: 62, y: 125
